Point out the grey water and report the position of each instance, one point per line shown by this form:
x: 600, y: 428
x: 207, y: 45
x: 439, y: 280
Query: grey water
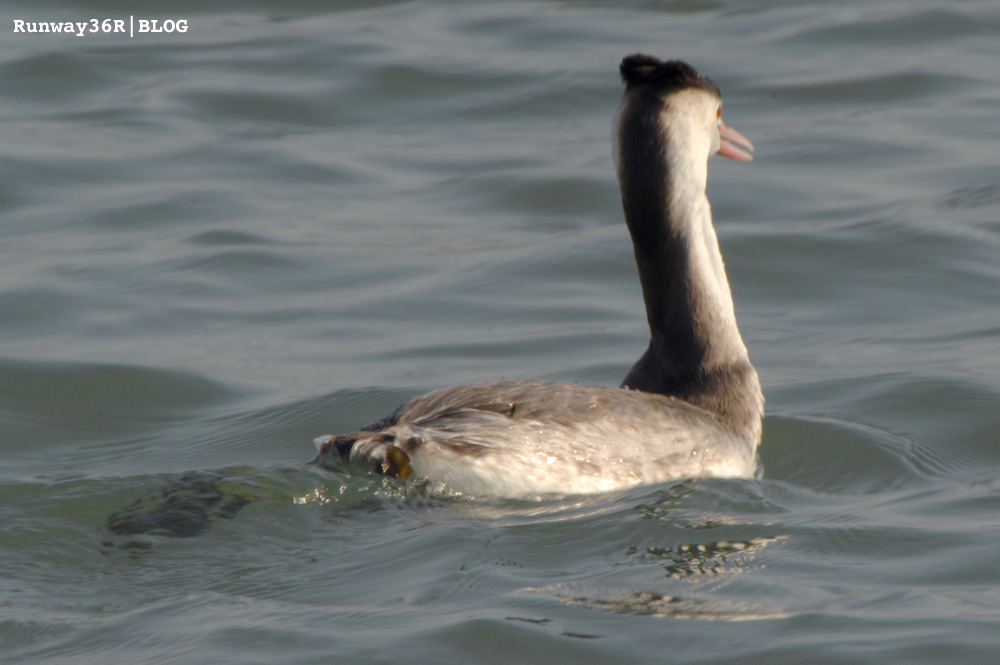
x: 218, y: 244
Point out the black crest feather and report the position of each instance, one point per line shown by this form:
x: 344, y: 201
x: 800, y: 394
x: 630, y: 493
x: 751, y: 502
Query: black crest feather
x: 665, y: 76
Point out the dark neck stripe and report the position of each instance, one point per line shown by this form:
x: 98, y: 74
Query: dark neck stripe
x: 662, y: 259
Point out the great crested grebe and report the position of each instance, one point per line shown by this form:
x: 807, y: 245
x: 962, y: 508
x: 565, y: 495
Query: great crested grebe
x: 691, y: 406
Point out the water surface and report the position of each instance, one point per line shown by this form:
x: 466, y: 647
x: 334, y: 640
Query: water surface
x: 216, y: 245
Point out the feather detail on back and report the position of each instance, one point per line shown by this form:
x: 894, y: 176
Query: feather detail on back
x: 516, y: 438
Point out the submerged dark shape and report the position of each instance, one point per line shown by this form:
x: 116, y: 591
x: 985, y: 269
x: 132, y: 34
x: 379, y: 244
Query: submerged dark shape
x: 692, y: 404
x: 183, y: 508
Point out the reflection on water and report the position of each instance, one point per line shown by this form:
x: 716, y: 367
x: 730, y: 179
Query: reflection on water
x: 699, y: 553
x: 701, y: 569
x: 696, y: 572
x: 714, y: 559
x: 655, y: 604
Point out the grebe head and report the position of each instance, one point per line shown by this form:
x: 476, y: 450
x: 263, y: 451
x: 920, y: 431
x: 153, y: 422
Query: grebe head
x: 686, y: 96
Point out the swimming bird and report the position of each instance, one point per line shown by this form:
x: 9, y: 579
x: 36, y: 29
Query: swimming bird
x: 690, y: 407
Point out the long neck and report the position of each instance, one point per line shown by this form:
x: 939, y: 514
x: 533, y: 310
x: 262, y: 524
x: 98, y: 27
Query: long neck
x: 695, y: 352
